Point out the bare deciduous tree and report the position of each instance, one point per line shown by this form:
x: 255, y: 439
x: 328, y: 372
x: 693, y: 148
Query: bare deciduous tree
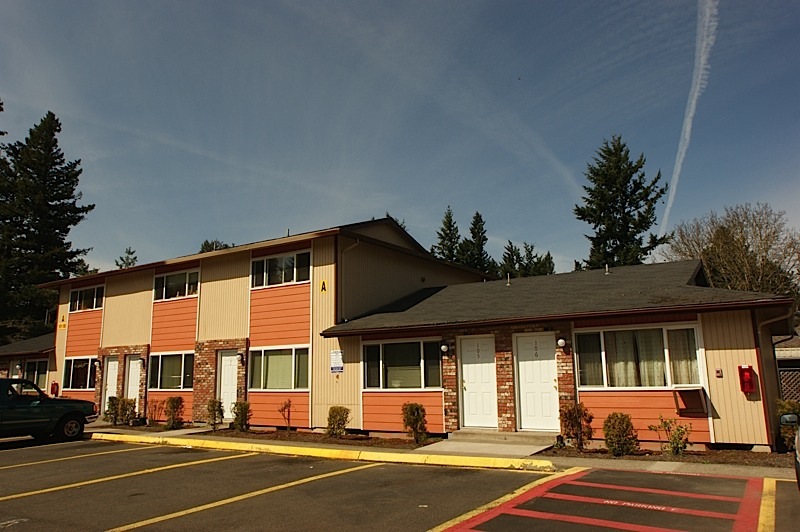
x: 746, y: 248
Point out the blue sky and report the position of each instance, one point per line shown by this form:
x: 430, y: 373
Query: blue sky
x: 242, y: 120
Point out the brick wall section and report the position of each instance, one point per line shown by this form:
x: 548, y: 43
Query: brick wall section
x: 122, y: 352
x: 506, y: 390
x: 450, y: 385
x: 205, y: 373
x: 566, y: 375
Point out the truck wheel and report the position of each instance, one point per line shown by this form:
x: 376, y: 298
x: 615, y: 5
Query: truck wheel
x: 69, y: 428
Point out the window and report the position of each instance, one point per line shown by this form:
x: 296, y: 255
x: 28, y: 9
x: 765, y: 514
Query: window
x: 279, y: 369
x: 86, y: 299
x: 176, y: 285
x: 403, y: 365
x: 637, y: 358
x: 79, y: 373
x: 36, y: 371
x: 171, y: 372
x: 283, y: 269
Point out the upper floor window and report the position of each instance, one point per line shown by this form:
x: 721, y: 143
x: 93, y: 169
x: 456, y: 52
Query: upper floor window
x: 638, y: 358
x: 282, y: 269
x: 403, y: 365
x: 176, y: 285
x: 86, y: 299
x: 79, y: 373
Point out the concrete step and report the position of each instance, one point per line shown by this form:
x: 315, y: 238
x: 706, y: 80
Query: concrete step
x: 494, y: 436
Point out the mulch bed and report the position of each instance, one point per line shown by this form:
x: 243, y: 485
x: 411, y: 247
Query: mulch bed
x: 317, y: 437
x: 726, y: 456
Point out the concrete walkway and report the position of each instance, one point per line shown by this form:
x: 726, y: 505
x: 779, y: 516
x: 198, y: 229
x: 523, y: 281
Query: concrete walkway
x: 452, y: 452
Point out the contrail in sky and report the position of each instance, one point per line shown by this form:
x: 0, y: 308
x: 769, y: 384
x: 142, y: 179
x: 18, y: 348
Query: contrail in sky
x: 706, y: 35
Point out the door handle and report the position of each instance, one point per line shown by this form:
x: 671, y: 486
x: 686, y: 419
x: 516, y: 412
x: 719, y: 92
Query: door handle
x: 464, y: 384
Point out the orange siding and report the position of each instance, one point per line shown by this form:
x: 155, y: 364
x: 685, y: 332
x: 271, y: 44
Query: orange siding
x: 383, y: 411
x: 174, y: 325
x: 265, y: 405
x: 644, y: 408
x: 86, y: 395
x: 280, y: 315
x: 162, y: 396
x: 83, y: 332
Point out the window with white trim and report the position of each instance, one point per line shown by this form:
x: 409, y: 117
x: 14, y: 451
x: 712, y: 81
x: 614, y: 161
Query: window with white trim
x: 403, y: 365
x: 86, y: 298
x: 36, y: 371
x: 281, y: 269
x: 171, y: 371
x: 279, y: 369
x: 79, y: 373
x: 174, y: 285
x: 638, y: 358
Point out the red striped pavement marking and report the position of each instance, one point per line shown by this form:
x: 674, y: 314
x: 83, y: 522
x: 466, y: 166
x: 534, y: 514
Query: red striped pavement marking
x: 657, y: 491
x: 639, y: 505
x: 750, y: 507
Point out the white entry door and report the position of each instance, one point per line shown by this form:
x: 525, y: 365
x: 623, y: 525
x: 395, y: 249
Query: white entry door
x: 133, y: 373
x: 228, y: 369
x: 110, y: 373
x: 538, y: 381
x: 478, y: 382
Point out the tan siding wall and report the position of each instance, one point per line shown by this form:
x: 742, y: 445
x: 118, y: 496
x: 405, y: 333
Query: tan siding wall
x: 128, y: 309
x: 386, y: 234
x: 224, y: 297
x: 54, y: 370
x: 729, y: 343
x: 375, y: 276
x: 328, y: 389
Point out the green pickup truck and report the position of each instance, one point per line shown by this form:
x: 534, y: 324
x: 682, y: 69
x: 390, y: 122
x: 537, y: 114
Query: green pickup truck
x: 27, y: 410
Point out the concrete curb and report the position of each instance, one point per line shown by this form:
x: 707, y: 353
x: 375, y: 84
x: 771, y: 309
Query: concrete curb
x: 334, y: 454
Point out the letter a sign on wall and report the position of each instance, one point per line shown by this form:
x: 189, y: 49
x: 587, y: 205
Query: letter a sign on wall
x: 323, y: 287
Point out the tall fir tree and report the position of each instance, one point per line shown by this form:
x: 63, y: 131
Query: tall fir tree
x: 448, y: 241
x: 472, y: 251
x: 128, y: 259
x: 620, y: 206
x: 38, y: 208
x: 511, y: 264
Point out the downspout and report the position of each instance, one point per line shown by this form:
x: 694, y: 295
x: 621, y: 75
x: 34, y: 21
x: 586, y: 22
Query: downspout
x: 768, y: 407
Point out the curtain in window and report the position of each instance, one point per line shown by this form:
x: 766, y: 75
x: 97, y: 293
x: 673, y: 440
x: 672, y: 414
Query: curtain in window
x: 621, y: 358
x: 652, y: 365
x: 590, y: 361
x: 683, y: 356
x: 278, y: 369
x: 171, y: 376
x: 301, y: 368
x: 256, y: 371
x: 401, y: 366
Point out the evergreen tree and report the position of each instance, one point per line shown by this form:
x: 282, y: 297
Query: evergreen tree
x: 38, y: 208
x: 448, y: 238
x: 535, y: 264
x: 128, y: 259
x: 620, y: 206
x: 1, y: 110
x: 512, y: 261
x: 213, y: 245
x: 472, y: 251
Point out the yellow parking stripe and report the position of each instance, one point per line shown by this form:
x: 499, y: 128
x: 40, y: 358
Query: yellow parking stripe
x: 124, y: 475
x: 505, y: 498
x: 143, y: 448
x: 766, y: 516
x: 238, y: 498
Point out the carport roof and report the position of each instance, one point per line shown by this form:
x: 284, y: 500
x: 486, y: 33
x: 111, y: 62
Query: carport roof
x: 648, y: 288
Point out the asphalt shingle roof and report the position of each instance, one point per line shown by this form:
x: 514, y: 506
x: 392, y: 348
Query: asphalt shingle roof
x: 650, y: 287
x: 39, y: 344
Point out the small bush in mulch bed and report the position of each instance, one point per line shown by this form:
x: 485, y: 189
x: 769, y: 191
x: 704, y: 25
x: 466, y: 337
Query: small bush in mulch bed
x: 316, y: 437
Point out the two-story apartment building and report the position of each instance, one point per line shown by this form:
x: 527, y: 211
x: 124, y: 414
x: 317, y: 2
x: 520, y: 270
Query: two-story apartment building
x: 244, y: 323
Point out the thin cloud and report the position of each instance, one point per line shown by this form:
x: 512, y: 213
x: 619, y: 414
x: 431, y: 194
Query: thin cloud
x: 707, y: 18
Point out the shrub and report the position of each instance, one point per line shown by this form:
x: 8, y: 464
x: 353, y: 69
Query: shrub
x: 338, y: 418
x: 112, y: 409
x: 126, y: 411
x: 155, y: 412
x: 215, y: 413
x: 286, y: 412
x: 677, y: 435
x: 576, y: 424
x: 414, y: 421
x: 620, y: 436
x: 788, y: 406
x: 174, y: 412
x: 241, y: 416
